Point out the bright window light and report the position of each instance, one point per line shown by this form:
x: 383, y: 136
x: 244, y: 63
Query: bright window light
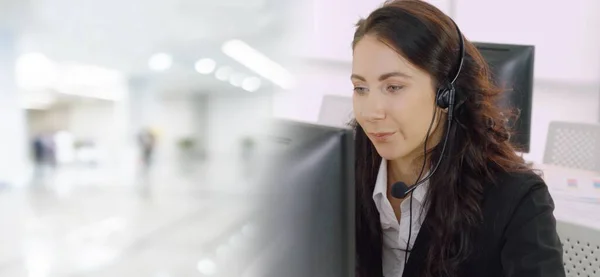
x: 91, y: 81
x: 258, y: 62
x: 251, y: 84
x: 34, y: 71
x: 85, y: 75
x: 205, y: 66
x: 160, y: 62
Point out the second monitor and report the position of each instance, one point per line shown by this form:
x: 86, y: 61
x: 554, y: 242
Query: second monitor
x: 512, y: 71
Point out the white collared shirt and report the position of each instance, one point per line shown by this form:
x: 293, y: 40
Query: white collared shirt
x: 395, y: 235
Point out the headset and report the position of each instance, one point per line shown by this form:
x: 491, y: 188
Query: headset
x: 446, y: 95
x: 445, y: 99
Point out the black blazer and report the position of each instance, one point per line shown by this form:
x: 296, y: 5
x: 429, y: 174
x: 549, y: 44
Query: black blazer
x: 518, y: 236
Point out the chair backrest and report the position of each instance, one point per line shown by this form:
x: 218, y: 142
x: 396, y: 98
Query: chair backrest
x: 581, y: 249
x: 574, y: 145
x: 335, y: 111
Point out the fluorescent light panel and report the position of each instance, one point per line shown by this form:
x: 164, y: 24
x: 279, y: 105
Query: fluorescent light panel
x: 205, y: 66
x: 160, y: 62
x: 258, y: 62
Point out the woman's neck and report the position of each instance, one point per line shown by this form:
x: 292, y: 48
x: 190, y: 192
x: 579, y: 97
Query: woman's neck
x: 407, y: 169
x: 404, y: 170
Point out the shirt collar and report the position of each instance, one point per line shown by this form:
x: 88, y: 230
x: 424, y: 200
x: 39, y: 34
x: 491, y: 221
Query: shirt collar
x: 382, y: 181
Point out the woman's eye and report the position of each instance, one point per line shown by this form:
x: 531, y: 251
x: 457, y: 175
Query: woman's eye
x: 360, y: 90
x: 394, y: 88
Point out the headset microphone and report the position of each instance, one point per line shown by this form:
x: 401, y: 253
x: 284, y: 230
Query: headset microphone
x: 401, y: 190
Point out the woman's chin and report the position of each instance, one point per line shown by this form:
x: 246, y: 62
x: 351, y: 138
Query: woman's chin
x: 389, y: 153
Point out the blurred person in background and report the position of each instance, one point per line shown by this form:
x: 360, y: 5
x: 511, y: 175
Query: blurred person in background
x: 147, y: 141
x: 44, y: 155
x: 248, y: 155
x: 38, y: 156
x: 440, y: 190
x: 38, y: 150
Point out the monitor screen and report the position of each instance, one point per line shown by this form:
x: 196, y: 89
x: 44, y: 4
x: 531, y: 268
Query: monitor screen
x: 512, y: 71
x: 309, y: 212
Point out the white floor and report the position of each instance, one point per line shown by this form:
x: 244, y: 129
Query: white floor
x: 91, y: 222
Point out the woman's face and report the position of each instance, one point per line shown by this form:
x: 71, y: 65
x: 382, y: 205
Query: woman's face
x: 393, y: 100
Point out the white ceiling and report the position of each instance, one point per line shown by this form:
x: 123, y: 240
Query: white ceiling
x: 123, y: 34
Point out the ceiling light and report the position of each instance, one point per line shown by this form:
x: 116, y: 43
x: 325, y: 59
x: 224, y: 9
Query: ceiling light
x: 251, y: 84
x: 223, y: 73
x: 258, y: 62
x: 160, y: 62
x: 205, y: 66
x: 207, y: 267
x: 237, y: 79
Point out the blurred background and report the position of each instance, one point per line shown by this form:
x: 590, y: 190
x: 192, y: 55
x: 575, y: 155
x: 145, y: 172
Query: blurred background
x: 129, y: 127
x: 127, y: 133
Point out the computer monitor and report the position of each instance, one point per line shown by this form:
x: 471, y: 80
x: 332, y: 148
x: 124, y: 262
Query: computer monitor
x: 512, y: 69
x: 309, y: 212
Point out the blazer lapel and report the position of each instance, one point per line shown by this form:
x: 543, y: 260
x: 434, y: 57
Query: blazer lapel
x: 418, y: 253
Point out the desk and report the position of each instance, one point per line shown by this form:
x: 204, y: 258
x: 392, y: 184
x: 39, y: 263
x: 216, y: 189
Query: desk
x: 576, y: 194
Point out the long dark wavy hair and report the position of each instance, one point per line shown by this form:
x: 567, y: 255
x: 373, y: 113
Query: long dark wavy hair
x: 478, y: 143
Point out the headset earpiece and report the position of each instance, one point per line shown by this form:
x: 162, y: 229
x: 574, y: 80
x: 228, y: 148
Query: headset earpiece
x: 443, y: 97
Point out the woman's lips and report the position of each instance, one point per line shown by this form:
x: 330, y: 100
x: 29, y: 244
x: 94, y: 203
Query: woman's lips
x: 381, y: 136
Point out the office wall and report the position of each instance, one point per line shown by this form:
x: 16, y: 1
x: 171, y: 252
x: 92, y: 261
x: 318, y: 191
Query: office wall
x: 327, y: 26
x: 558, y: 102
x: 317, y: 77
x: 231, y: 117
x: 94, y: 121
x: 43, y: 121
x: 566, y: 36
x: 218, y: 120
x: 181, y: 118
x: 567, y: 62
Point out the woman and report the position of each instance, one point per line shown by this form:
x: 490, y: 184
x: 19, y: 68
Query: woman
x: 478, y: 210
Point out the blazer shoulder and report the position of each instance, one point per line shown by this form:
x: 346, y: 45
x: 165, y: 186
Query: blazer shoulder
x: 524, y: 224
x: 516, y: 183
x: 509, y: 189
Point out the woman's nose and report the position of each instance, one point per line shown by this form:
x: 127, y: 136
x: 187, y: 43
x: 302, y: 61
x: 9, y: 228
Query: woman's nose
x: 373, y: 109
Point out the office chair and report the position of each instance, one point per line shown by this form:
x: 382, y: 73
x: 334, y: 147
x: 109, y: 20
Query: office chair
x: 581, y: 249
x: 573, y: 145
